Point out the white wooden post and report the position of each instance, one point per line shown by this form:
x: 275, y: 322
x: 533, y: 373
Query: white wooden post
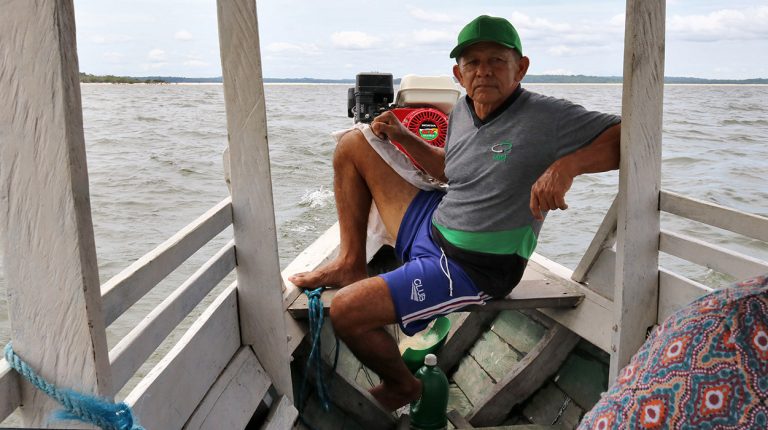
x: 258, y: 267
x: 54, y: 300
x: 637, y: 268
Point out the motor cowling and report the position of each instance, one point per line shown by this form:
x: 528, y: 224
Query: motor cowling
x: 422, y: 104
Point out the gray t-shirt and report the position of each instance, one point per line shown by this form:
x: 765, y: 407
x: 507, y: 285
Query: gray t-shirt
x: 492, y: 166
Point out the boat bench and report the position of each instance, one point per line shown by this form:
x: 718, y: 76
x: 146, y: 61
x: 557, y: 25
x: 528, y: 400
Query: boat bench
x: 535, y: 290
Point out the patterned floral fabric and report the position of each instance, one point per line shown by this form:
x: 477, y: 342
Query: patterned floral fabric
x: 705, y: 367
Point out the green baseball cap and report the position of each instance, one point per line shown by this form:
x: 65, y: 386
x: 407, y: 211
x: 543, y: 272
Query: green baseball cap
x: 486, y: 28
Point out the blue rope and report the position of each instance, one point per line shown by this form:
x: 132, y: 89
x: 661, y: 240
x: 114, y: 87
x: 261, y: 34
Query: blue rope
x: 316, y: 320
x: 77, y: 406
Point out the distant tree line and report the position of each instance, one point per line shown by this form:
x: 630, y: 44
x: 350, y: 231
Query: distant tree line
x: 583, y: 79
x: 111, y: 79
x: 531, y: 79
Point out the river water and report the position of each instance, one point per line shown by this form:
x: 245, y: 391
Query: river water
x: 155, y: 164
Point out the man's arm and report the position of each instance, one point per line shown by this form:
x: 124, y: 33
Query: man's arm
x: 430, y: 158
x: 548, y: 193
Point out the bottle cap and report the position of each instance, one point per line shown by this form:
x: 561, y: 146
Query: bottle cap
x: 430, y: 360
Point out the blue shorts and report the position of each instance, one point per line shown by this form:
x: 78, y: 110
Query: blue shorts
x: 428, y: 284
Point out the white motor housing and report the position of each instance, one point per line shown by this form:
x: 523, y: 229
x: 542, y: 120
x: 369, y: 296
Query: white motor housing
x: 439, y: 92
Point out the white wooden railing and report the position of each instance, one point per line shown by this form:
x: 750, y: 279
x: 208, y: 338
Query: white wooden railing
x: 130, y: 285
x: 202, y: 353
x: 199, y: 357
x: 675, y: 290
x: 139, y: 278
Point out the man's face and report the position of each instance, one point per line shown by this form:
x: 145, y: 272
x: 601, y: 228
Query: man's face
x: 490, y: 72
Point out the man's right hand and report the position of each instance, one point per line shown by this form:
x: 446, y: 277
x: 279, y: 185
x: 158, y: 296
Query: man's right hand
x: 430, y: 158
x: 387, y: 126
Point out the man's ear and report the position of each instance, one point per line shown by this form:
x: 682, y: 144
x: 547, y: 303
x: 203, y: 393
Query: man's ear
x: 457, y: 75
x: 522, y: 68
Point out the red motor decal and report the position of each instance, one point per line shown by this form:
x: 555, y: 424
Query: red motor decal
x: 429, y: 124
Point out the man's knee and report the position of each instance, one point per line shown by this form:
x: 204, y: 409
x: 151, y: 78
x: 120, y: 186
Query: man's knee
x: 349, y: 146
x: 361, y: 307
x: 342, y: 313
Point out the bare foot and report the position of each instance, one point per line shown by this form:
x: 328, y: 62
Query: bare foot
x: 393, y: 398
x: 333, y: 274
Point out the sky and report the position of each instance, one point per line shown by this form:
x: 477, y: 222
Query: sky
x: 334, y: 39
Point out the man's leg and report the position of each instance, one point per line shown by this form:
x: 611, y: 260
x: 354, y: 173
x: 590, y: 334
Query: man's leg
x: 360, y: 176
x: 359, y: 313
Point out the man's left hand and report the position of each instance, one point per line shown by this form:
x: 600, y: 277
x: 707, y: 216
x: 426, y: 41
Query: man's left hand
x: 548, y: 192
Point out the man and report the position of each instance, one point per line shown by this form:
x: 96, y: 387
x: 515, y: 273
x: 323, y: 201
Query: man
x: 511, y: 155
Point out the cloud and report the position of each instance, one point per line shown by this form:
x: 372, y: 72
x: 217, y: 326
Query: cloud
x: 526, y: 24
x: 429, y: 16
x: 153, y: 66
x: 618, y: 20
x: 353, y: 40
x: 429, y: 37
x: 730, y: 24
x: 561, y: 50
x: 113, y: 57
x: 196, y: 63
x: 156, y: 55
x: 293, y: 48
x: 183, y: 35
x: 568, y: 39
x: 101, y: 39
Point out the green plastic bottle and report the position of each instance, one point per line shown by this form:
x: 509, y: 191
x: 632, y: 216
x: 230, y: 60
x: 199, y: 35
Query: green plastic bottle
x: 429, y: 412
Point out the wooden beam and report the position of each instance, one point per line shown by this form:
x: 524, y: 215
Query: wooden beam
x: 131, y: 284
x: 258, y: 267
x: 592, y: 319
x: 637, y: 279
x: 282, y: 415
x: 530, y: 372
x: 231, y: 401
x: 750, y: 225
x: 172, y: 390
x: 545, y: 293
x: 605, y: 238
x: 602, y: 276
x: 131, y: 352
x: 54, y: 305
x: 458, y: 420
x: 714, y: 257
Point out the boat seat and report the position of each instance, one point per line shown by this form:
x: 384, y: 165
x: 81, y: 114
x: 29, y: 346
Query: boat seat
x: 535, y: 290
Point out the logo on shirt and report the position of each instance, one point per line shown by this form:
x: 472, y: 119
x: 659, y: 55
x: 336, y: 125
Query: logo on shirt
x: 417, y: 291
x: 500, y: 150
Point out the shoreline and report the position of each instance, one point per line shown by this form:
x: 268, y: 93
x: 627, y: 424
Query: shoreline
x: 352, y: 84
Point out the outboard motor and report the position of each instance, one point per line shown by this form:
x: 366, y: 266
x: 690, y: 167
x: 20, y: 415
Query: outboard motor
x: 422, y: 105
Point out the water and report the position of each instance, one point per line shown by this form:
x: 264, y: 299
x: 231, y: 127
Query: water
x: 154, y: 157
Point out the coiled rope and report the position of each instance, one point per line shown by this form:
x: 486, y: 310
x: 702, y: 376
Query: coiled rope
x: 77, y: 406
x: 316, y: 321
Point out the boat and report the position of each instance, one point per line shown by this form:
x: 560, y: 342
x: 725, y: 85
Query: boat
x: 566, y: 333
